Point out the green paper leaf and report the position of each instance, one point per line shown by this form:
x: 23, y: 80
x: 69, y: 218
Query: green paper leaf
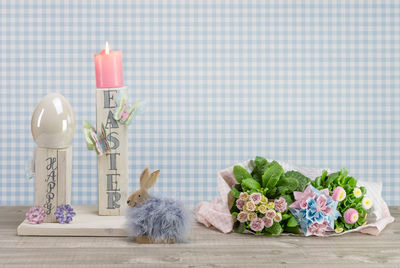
x: 287, y: 185
x: 293, y: 230
x: 240, y: 173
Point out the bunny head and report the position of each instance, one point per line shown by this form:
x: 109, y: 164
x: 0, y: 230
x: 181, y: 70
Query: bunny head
x: 147, y: 180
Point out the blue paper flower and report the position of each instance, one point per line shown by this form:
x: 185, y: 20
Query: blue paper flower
x: 315, y: 211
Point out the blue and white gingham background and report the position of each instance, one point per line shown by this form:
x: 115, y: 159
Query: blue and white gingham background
x: 314, y: 83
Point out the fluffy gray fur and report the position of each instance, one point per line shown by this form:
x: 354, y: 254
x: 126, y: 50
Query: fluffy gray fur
x: 159, y: 219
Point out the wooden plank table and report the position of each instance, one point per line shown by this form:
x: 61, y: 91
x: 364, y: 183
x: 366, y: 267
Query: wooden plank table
x: 207, y: 248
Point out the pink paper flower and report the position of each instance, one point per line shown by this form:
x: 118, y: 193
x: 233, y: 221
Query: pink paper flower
x: 267, y: 221
x: 255, y: 197
x: 257, y: 224
x: 318, y: 229
x: 242, y: 216
x: 339, y: 194
x: 239, y: 204
x: 301, y: 198
x: 351, y: 216
x: 270, y: 214
x: 35, y: 215
x: 280, y: 204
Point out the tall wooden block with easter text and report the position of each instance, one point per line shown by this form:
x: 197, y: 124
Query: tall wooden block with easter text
x: 53, y: 179
x: 112, y: 166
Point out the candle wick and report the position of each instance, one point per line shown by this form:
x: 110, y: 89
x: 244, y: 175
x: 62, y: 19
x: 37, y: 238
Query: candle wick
x: 107, y: 49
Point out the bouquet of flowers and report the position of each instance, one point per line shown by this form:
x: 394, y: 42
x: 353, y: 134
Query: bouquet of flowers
x: 270, y: 201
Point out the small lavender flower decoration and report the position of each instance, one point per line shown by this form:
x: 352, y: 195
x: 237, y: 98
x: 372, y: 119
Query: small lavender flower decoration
x: 35, y: 215
x: 64, y: 213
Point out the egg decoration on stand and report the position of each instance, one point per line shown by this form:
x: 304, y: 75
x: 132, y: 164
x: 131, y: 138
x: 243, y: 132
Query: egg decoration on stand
x: 53, y: 127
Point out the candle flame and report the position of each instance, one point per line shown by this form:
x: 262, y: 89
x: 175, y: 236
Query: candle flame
x: 107, y: 49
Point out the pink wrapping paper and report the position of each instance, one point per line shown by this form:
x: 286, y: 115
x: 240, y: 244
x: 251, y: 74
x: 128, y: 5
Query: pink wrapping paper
x: 216, y: 213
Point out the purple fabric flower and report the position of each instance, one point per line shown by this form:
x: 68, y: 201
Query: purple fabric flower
x: 64, y: 213
x: 280, y: 204
x: 35, y: 215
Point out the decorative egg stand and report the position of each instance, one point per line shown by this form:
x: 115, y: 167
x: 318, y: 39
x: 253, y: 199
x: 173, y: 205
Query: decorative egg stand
x: 53, y: 127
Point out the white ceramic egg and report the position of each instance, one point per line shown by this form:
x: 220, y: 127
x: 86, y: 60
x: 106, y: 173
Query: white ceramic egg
x: 53, y: 122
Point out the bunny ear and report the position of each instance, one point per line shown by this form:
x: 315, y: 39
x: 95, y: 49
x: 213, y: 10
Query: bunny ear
x: 144, y: 177
x: 150, y: 181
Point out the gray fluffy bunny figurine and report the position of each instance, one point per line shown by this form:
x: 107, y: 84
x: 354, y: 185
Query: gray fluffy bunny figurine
x: 151, y: 219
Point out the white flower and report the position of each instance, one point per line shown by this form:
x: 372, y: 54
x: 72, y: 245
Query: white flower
x: 357, y: 192
x: 366, y: 203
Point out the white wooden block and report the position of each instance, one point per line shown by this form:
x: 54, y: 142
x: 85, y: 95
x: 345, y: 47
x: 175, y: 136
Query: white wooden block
x: 53, y: 179
x: 87, y: 222
x: 112, y: 167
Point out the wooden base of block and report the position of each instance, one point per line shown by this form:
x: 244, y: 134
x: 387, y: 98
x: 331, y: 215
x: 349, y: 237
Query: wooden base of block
x: 87, y: 222
x: 148, y: 240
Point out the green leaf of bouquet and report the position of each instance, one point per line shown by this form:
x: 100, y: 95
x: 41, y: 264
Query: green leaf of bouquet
x: 286, y: 216
x: 239, y: 227
x: 363, y: 190
x: 332, y: 180
x: 351, y: 181
x: 235, y: 192
x: 240, y: 173
x: 292, y: 222
x: 234, y: 214
x: 271, y: 175
x: 290, y: 184
x: 275, y: 229
x: 251, y: 184
x: 288, y: 198
x: 293, y: 230
x: 302, y: 180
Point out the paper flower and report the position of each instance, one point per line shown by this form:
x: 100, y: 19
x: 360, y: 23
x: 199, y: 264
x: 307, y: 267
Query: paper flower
x: 280, y: 204
x: 242, y: 216
x: 339, y: 194
x: 351, y: 216
x: 257, y: 224
x: 366, y: 203
x: 35, y: 215
x: 64, y: 213
x: 357, y: 192
x: 239, y: 204
x: 315, y: 211
x: 250, y: 206
x: 255, y: 197
x: 268, y: 221
x: 244, y: 196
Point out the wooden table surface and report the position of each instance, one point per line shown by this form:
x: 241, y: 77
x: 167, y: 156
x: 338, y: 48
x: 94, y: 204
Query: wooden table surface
x: 207, y: 248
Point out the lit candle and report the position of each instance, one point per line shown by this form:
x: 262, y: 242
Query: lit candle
x: 108, y: 65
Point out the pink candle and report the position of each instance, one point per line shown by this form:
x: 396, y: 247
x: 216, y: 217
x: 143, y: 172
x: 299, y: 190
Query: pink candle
x: 108, y: 66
